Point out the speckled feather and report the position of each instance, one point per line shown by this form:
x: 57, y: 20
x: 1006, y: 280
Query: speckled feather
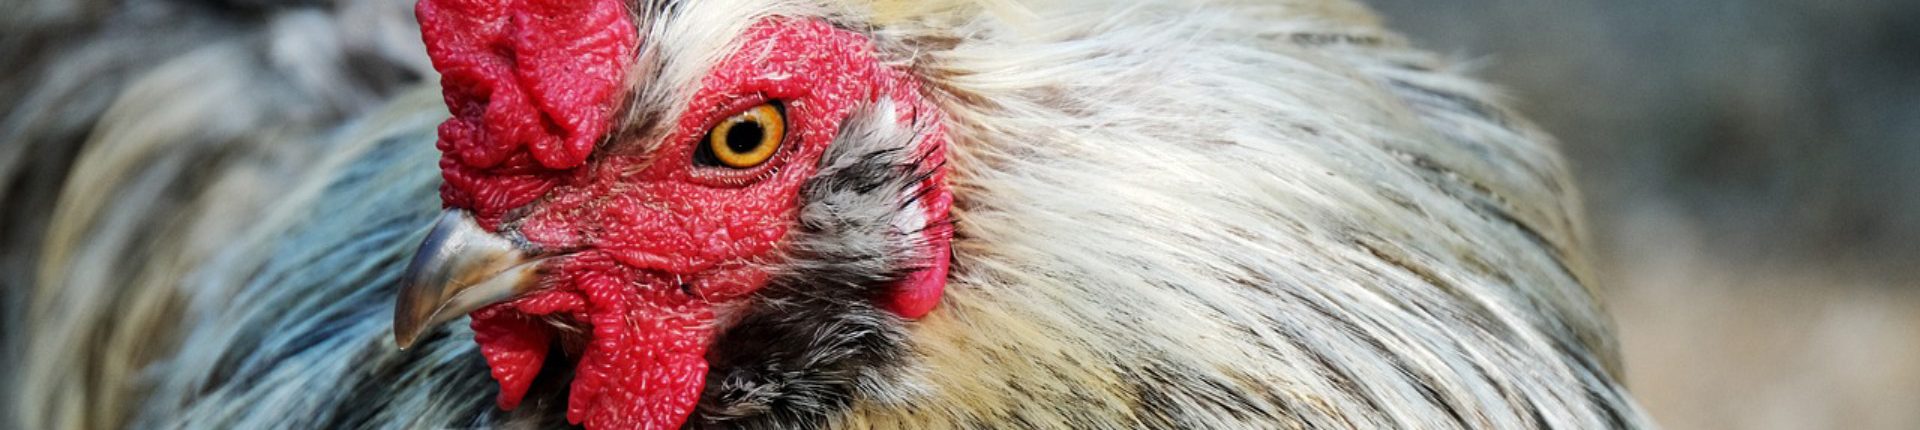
x: 1191, y: 214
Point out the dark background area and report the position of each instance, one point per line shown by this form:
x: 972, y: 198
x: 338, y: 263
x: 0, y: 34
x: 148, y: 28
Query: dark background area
x: 1752, y: 172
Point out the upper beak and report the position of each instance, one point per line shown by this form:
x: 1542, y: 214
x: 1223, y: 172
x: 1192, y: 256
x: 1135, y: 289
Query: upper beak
x: 459, y: 268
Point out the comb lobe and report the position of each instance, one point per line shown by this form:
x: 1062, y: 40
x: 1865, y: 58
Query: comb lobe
x: 538, y: 74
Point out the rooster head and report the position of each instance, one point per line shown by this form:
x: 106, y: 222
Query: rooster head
x: 618, y: 198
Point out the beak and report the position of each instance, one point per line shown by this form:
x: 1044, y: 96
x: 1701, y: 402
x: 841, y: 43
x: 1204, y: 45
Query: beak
x: 459, y: 268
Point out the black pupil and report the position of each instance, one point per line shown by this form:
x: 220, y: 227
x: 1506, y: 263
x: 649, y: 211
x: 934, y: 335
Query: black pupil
x: 745, y: 137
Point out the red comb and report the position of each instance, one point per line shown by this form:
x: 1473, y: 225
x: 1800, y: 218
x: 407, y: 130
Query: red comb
x: 543, y: 74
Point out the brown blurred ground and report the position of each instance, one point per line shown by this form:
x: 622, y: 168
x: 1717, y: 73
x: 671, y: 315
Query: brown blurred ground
x: 1753, y: 176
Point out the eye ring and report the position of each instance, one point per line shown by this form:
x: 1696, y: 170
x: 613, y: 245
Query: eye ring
x: 744, y: 140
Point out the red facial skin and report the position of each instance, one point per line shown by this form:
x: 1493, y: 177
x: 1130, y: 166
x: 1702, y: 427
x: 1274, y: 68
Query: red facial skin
x: 656, y: 244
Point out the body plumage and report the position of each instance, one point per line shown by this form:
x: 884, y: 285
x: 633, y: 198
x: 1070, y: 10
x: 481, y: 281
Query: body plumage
x: 1232, y: 214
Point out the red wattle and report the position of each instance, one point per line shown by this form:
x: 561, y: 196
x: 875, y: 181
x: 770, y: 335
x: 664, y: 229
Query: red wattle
x: 644, y: 362
x: 514, y: 346
x: 515, y: 343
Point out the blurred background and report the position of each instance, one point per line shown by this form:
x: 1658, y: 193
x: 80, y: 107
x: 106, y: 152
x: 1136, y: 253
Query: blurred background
x: 1752, y: 170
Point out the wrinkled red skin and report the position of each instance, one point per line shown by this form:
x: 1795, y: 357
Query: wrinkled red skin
x: 542, y: 75
x: 656, y: 242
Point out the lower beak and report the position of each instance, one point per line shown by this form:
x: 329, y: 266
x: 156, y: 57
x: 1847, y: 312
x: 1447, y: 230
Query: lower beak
x: 459, y: 268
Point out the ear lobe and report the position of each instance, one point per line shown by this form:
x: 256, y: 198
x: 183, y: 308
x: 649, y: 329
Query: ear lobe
x: 876, y: 212
x: 920, y: 291
x: 927, y: 215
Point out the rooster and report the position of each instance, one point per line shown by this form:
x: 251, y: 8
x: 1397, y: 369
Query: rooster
x: 780, y: 214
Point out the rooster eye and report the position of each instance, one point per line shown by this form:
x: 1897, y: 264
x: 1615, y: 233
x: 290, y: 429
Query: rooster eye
x: 744, y: 140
